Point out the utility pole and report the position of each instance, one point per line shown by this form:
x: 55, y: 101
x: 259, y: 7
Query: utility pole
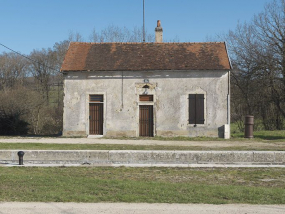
x: 143, y: 24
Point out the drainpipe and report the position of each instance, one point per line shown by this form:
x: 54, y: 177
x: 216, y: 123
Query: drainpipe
x: 227, y: 127
x: 228, y: 98
x: 229, y: 92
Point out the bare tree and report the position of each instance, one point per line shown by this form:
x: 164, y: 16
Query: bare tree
x: 42, y: 68
x: 60, y: 49
x: 258, y: 53
x: 114, y: 33
x: 13, y: 69
x: 75, y: 37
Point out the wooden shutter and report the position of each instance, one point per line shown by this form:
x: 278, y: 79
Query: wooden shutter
x: 196, y: 109
x: 192, y: 109
x: 199, y: 108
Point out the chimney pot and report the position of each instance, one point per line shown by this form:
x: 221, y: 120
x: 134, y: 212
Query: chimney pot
x: 158, y: 23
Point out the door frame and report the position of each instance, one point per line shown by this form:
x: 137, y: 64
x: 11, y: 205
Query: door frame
x: 138, y: 116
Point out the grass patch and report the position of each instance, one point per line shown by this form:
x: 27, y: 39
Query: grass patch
x: 277, y: 135
x: 150, y: 185
x: 259, y: 133
x: 236, y: 135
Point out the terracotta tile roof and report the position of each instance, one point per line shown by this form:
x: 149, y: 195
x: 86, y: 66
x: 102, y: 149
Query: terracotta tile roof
x: 145, y: 56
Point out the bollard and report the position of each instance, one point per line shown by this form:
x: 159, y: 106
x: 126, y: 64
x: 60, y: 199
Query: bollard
x: 21, y: 155
x: 248, y: 128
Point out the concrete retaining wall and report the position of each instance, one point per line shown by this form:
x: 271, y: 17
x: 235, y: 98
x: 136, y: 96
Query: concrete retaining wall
x: 143, y: 157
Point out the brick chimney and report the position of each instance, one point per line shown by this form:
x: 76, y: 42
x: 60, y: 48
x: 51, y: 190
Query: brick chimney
x: 158, y: 32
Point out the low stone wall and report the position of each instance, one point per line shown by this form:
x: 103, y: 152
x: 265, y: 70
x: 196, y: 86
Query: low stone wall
x: 143, y: 157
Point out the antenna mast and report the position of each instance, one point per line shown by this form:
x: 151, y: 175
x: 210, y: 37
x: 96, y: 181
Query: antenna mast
x: 143, y: 24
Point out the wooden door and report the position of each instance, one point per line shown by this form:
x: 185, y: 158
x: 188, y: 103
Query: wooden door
x: 146, y: 121
x: 96, y: 118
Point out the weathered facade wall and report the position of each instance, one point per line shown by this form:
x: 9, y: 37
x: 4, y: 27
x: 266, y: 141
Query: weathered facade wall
x: 170, y: 90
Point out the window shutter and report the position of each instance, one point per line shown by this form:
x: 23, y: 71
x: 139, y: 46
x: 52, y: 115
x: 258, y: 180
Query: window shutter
x: 192, y: 109
x: 200, y: 109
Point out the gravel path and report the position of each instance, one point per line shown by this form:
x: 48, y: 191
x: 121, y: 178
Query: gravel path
x: 209, y: 144
x: 134, y: 208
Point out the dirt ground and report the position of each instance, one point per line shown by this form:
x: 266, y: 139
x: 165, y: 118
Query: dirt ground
x: 141, y: 208
x: 250, y: 144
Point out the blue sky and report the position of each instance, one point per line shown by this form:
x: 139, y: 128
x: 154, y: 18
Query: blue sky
x: 35, y: 24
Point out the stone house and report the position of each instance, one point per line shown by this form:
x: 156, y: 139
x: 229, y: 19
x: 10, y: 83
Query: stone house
x: 146, y: 89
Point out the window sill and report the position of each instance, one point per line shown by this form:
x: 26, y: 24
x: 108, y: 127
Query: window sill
x: 196, y: 125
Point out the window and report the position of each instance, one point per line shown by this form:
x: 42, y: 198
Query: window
x: 196, y: 109
x: 95, y: 98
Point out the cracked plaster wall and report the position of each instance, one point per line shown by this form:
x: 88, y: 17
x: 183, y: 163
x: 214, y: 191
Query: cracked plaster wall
x: 170, y: 90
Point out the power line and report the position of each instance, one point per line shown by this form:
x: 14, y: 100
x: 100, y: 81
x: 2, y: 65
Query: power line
x: 28, y: 57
